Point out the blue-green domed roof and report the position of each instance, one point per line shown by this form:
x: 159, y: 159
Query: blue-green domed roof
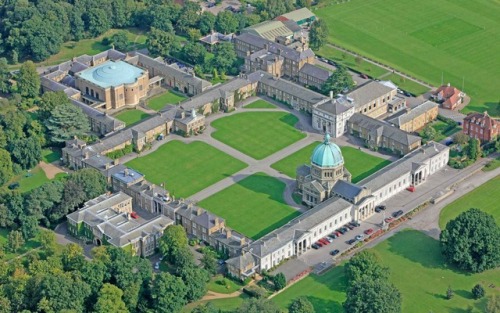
x: 327, y: 154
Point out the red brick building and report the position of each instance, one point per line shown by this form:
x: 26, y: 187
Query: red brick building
x: 481, y: 126
x: 449, y: 96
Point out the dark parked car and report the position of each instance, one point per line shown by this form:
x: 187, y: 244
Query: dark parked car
x: 363, y: 76
x: 349, y: 226
x: 355, y: 223
x: 341, y: 230
x: 397, y: 214
x: 13, y: 186
x: 334, y: 252
x: 351, y: 241
x: 314, y: 246
x: 345, y: 229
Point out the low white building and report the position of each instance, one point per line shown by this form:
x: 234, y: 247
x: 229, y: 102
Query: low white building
x: 331, y: 116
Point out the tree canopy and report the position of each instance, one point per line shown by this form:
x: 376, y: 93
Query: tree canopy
x: 301, y: 305
x: 110, y: 300
x: 472, y: 241
x: 67, y: 121
x: 340, y: 81
x: 28, y: 81
x: 318, y: 34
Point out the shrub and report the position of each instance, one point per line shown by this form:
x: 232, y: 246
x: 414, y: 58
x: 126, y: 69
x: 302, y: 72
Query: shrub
x: 478, y: 291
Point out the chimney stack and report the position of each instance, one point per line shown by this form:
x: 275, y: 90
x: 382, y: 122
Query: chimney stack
x: 331, y: 94
x: 199, y: 211
x: 228, y: 233
x: 242, y: 241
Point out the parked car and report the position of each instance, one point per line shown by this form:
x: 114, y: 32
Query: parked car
x: 397, y: 214
x: 157, y: 266
x: 337, y: 233
x: 332, y: 62
x: 319, y: 244
x: 389, y: 219
x: 349, y: 226
x: 364, y: 76
x: 345, y: 229
x: 411, y: 189
x: 315, y: 246
x: 351, y: 241
x: 324, y: 241
x: 380, y: 207
x: 369, y: 231
x: 355, y: 223
x: 334, y: 252
x: 408, y: 94
x: 340, y: 230
x: 134, y: 215
x: 330, y: 238
x: 360, y: 237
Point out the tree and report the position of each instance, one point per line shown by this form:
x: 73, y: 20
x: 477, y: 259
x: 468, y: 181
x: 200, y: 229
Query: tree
x: 429, y: 133
x: 278, y: 7
x: 449, y: 293
x: 51, y: 100
x: 47, y: 239
x: 493, y: 305
x: 226, y: 22
x: 472, y: 241
x: 120, y: 41
x: 460, y: 138
x: 364, y: 264
x: 304, y: 3
x: 339, y: 81
x: 97, y: 21
x: 279, y: 281
x: 196, y: 280
x: 27, y: 152
x: 474, y: 149
x: 258, y: 306
x: 66, y: 122
x: 209, y: 262
x: 15, y: 240
x: 193, y: 34
x: 168, y: 293
x: 72, y: 257
x: 4, y: 76
x: 5, y: 166
x: 190, y: 15
x: 28, y: 81
x: 225, y: 57
x: 206, y: 23
x: 29, y: 226
x: 110, y: 300
x: 372, y: 295
x: 478, y: 291
x: 204, y: 308
x: 301, y: 305
x: 183, y: 258
x: 318, y: 34
x: 159, y: 42
x: 173, y: 240
x: 194, y: 53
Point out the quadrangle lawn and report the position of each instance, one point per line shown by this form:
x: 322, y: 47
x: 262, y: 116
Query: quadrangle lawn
x: 260, y: 104
x: 418, y: 271
x: 428, y: 39
x: 257, y: 134
x: 186, y: 168
x: 485, y: 198
x: 160, y: 101
x: 358, y: 163
x: 254, y: 206
x: 131, y: 117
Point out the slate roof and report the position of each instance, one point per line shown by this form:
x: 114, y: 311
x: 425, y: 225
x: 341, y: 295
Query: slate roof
x: 153, y: 226
x: 368, y: 92
x: 97, y: 206
x: 380, y: 128
x: 268, y: 30
x: 346, y: 189
x: 128, y: 175
x: 315, y: 71
x: 413, y: 113
x: 334, y: 106
x: 242, y: 261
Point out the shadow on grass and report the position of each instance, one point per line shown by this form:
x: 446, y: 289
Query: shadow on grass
x: 325, y: 305
x: 289, y: 119
x: 276, y: 225
x: 264, y: 184
x: 371, y: 171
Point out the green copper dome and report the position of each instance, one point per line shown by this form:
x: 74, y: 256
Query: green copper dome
x: 327, y: 154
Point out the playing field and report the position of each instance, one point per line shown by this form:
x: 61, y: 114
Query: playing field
x: 186, y: 169
x: 260, y: 104
x: 131, y: 117
x: 254, y: 206
x: 358, y: 163
x: 429, y: 39
x: 257, y: 134
x: 485, y: 198
x: 160, y: 101
x: 418, y: 271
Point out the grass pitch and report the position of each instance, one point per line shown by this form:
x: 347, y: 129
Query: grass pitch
x: 186, y: 169
x: 131, y: 117
x: 360, y: 164
x: 485, y: 198
x: 257, y: 134
x: 428, y: 39
x: 159, y: 102
x: 254, y: 206
x: 418, y: 271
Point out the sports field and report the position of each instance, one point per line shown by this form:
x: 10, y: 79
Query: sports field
x: 160, y: 101
x: 186, y: 169
x: 485, y: 198
x: 254, y: 206
x: 427, y: 39
x: 257, y: 134
x: 418, y: 271
x: 358, y: 163
x: 131, y: 117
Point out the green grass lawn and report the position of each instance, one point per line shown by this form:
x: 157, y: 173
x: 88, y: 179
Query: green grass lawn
x: 429, y: 39
x: 443, y: 130
x: 348, y: 60
x: 260, y: 104
x: 360, y: 164
x: 257, y: 134
x: 30, y: 244
x: 131, y: 117
x: 492, y: 165
x: 254, y: 206
x: 215, y: 285
x: 51, y: 155
x: 485, y: 198
x: 418, y: 271
x: 406, y: 84
x: 224, y: 304
x: 160, y: 101
x: 29, y: 180
x: 186, y: 168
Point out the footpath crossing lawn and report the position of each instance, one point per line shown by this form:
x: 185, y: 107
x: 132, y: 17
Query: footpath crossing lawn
x: 254, y: 206
x: 186, y: 169
x: 131, y: 117
x: 160, y: 101
x: 260, y: 104
x: 429, y: 39
x: 257, y: 134
x: 417, y: 269
x: 358, y: 163
x: 485, y: 198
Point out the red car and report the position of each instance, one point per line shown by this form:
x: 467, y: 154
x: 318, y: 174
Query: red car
x: 324, y: 241
x: 364, y: 76
x: 368, y: 231
x: 134, y: 215
x: 389, y: 219
x: 320, y: 244
x: 411, y: 188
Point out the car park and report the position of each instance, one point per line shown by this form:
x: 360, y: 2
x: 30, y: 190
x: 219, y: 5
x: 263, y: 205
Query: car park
x: 351, y: 241
x: 334, y: 252
x: 397, y: 214
x: 368, y: 231
x: 355, y: 223
x: 360, y: 237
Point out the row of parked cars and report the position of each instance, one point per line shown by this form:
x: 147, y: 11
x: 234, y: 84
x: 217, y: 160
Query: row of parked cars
x: 336, y: 234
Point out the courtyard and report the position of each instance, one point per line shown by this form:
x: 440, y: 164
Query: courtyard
x: 185, y: 169
x: 254, y: 206
x: 257, y: 134
x: 168, y: 97
x: 131, y: 117
x: 359, y: 163
x: 260, y: 104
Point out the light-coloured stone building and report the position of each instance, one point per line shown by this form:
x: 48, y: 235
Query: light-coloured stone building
x: 415, y: 119
x: 372, y: 98
x: 331, y: 116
